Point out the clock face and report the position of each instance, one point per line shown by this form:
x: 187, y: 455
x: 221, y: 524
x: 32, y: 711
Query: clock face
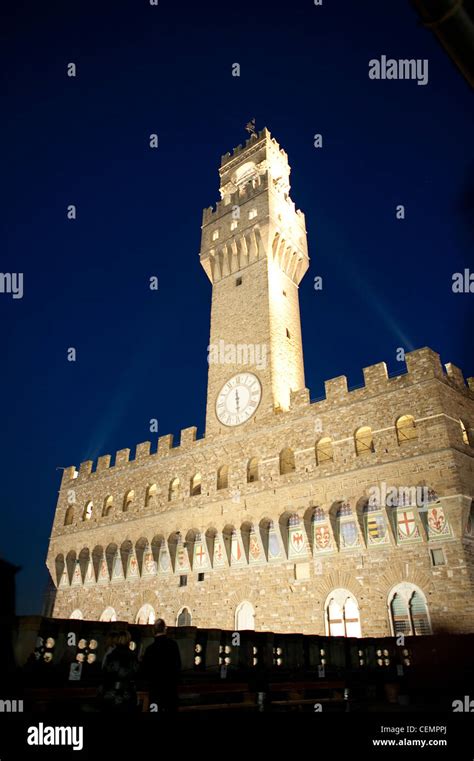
x: 238, y: 399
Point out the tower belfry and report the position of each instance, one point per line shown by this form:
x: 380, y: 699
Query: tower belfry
x: 254, y: 251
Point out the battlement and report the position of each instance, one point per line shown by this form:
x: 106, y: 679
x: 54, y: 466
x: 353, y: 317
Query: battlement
x: 243, y: 194
x: 252, y: 142
x: 421, y: 365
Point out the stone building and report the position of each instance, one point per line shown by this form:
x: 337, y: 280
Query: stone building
x: 351, y: 515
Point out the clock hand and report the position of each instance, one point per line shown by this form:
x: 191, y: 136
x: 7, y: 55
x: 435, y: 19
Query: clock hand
x: 237, y: 399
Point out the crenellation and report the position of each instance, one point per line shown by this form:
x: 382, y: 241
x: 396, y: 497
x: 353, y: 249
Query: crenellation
x: 68, y: 475
x: 188, y: 437
x: 336, y: 389
x: 85, y: 468
x: 376, y: 376
x: 424, y: 363
x: 142, y: 450
x: 103, y: 463
x: 299, y: 398
x: 455, y: 375
x: 165, y: 444
x: 122, y: 457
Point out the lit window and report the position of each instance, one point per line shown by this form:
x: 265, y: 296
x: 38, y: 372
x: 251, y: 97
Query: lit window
x: 252, y: 213
x: 363, y: 440
x: 405, y: 427
x: 233, y: 224
x: 215, y: 235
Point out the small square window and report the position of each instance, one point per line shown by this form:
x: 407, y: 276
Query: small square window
x: 183, y: 581
x: 200, y: 577
x: 233, y: 224
x: 238, y: 281
x: 252, y: 213
x: 437, y: 557
x: 288, y: 333
x: 284, y: 293
x: 215, y: 235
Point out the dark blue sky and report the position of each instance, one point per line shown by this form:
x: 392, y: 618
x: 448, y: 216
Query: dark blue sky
x: 167, y: 70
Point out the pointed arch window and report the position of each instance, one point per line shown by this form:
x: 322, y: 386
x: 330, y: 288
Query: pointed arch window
x: 107, y: 508
x: 184, y: 618
x: 195, y: 485
x: 409, y: 611
x: 406, y: 429
x: 324, y: 451
x: 252, y: 470
x: 342, y: 614
x: 364, y: 442
x: 69, y: 517
x: 127, y: 500
x: 173, y: 492
x: 151, y: 493
x: 245, y: 617
x: 223, y: 477
x: 287, y: 461
x: 108, y: 614
x: 146, y: 615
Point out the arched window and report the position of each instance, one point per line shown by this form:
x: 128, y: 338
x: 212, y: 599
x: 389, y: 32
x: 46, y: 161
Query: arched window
x: 69, y: 517
x: 107, y: 508
x: 127, y: 500
x: 223, y: 477
x: 87, y: 514
x: 364, y: 443
x: 406, y: 428
x: 342, y: 614
x: 287, y: 461
x: 408, y: 610
x: 245, y: 617
x: 151, y: 492
x: 324, y: 451
x: 108, y: 614
x: 252, y: 470
x: 173, y: 492
x: 195, y: 485
x: 146, y: 615
x: 184, y: 618
x: 464, y: 433
x: 400, y: 616
x: 77, y: 615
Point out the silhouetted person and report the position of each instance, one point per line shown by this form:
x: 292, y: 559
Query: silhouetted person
x: 161, y: 667
x: 120, y: 666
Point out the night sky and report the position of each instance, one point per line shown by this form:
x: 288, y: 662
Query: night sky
x: 142, y: 354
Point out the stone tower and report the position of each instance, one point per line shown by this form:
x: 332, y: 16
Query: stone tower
x: 254, y: 252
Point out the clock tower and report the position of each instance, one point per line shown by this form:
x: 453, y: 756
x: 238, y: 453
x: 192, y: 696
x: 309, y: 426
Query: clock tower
x: 254, y: 251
